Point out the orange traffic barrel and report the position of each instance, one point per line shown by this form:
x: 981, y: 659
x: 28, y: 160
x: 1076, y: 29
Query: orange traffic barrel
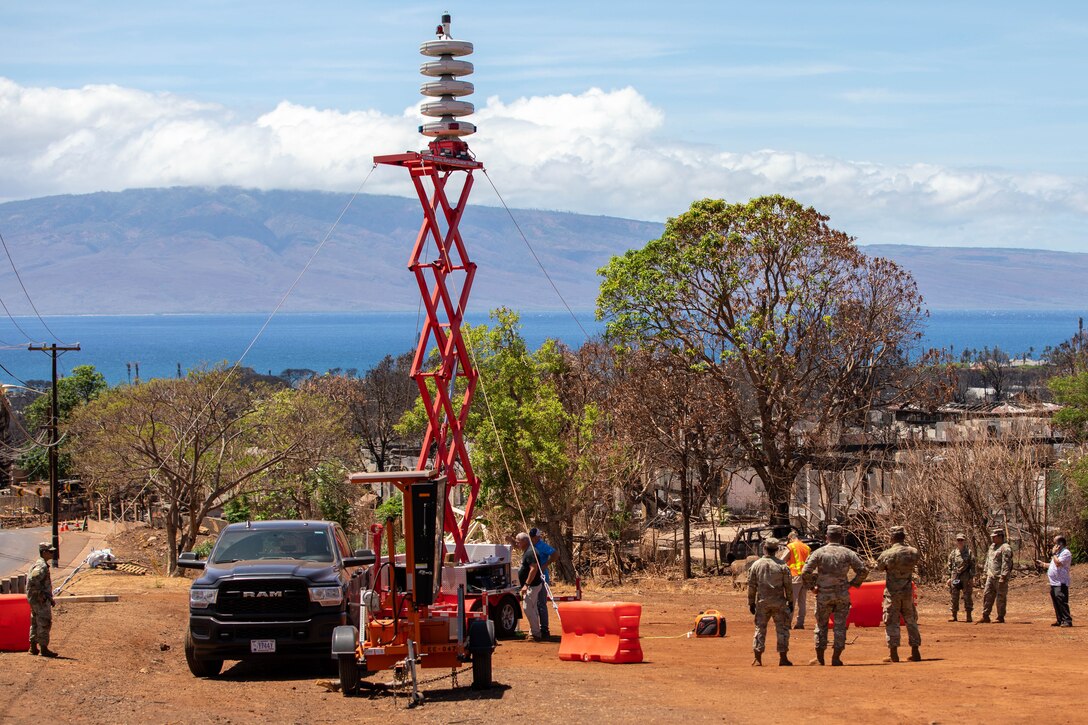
x: 867, y: 604
x: 600, y: 632
x: 14, y: 623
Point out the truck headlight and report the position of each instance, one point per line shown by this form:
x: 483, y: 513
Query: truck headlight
x: 201, y: 598
x: 326, y: 596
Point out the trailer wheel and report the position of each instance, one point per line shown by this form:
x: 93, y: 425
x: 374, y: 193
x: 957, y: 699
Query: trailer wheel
x: 199, y: 666
x: 505, y: 617
x: 481, y: 669
x: 349, y: 674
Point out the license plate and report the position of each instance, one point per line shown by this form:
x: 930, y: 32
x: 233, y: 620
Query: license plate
x: 262, y: 645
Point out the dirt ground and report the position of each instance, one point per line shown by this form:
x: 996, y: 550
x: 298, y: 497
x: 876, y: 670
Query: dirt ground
x: 123, y: 662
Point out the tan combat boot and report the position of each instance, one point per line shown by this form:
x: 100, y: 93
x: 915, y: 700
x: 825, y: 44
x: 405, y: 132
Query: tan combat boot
x: 783, y: 660
x: 757, y: 659
x: 893, y: 655
x: 968, y: 615
x: 915, y: 654
x: 820, y: 655
x: 955, y: 617
x: 836, y: 658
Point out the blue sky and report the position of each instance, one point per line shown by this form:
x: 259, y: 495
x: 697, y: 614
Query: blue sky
x: 924, y: 123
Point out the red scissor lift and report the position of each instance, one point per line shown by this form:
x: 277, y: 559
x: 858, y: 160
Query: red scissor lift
x: 405, y: 619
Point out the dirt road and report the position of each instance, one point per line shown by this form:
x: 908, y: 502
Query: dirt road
x: 123, y: 662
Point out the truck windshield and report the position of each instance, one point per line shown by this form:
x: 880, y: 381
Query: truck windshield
x: 250, y: 544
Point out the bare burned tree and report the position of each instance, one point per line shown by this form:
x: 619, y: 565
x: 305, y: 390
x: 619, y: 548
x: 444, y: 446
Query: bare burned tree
x: 971, y: 486
x: 374, y: 403
x: 670, y: 414
x: 800, y: 332
x: 196, y: 442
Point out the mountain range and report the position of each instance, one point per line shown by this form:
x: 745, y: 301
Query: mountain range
x: 227, y: 249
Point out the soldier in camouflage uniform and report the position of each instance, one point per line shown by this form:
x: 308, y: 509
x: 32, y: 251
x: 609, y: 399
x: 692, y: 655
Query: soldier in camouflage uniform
x: 898, y: 563
x: 998, y: 569
x: 961, y: 577
x: 827, y: 573
x: 39, y: 592
x: 770, y: 596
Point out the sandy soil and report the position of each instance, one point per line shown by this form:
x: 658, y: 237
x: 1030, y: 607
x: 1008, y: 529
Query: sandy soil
x: 123, y: 662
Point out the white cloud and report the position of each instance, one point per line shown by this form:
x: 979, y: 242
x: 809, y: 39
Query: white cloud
x: 596, y: 152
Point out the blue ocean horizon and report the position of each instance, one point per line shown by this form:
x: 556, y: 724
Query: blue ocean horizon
x: 358, y: 340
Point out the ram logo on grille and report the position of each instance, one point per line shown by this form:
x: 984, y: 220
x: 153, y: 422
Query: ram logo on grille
x: 271, y: 594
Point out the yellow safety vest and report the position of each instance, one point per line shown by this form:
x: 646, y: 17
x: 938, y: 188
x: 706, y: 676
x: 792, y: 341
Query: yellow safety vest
x: 800, y: 552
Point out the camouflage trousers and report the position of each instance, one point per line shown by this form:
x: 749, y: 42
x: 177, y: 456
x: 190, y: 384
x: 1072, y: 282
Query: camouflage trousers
x: 764, y: 614
x: 832, y: 603
x: 995, y: 591
x: 901, y: 604
x: 968, y: 596
x: 41, y: 621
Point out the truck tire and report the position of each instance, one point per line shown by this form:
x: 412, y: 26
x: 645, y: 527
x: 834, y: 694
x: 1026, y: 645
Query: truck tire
x: 480, y: 645
x: 199, y: 666
x: 505, y: 616
x: 349, y: 674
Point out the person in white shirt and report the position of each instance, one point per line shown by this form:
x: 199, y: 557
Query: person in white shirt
x: 1057, y: 574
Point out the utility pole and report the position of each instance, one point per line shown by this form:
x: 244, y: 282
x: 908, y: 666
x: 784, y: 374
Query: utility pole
x: 54, y: 438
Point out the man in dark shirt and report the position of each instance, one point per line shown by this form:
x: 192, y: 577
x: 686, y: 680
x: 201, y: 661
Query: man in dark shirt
x: 531, y: 581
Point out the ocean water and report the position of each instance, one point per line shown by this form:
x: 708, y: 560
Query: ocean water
x: 323, y: 341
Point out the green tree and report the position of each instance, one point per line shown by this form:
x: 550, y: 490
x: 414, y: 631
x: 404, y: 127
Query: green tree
x: 82, y: 386
x: 799, y: 331
x: 520, y: 419
x: 1071, y: 391
x: 197, y: 442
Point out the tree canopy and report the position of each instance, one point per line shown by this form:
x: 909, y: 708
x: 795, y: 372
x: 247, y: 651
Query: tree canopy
x: 800, y: 331
x: 199, y: 441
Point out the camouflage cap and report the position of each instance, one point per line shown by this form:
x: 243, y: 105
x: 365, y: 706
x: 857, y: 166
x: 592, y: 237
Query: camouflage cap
x: 771, y: 543
x: 961, y: 537
x: 897, y: 530
x: 45, y: 546
x: 998, y: 532
x: 834, y: 529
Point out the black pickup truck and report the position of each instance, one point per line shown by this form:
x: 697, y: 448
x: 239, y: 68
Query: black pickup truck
x: 271, y: 588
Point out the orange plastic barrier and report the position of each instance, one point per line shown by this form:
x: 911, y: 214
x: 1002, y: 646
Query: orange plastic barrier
x: 14, y: 623
x: 867, y: 605
x: 600, y: 631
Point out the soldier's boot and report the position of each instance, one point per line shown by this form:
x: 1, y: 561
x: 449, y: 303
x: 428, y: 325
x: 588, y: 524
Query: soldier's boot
x: 985, y: 619
x: 836, y: 658
x: 968, y: 615
x: 915, y: 654
x: 757, y: 659
x: 1000, y: 620
x: 955, y: 617
x: 783, y: 660
x: 820, y: 654
x: 893, y: 654
x: 34, y: 648
x: 46, y: 652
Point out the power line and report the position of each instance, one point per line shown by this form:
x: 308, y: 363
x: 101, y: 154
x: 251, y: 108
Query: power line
x: 237, y: 364
x: 14, y: 321
x: 25, y: 292
x: 537, y: 258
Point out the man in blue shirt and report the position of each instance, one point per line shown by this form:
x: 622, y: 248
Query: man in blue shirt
x: 546, y: 554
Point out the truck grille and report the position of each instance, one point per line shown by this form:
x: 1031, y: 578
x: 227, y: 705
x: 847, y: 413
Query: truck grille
x: 263, y: 600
